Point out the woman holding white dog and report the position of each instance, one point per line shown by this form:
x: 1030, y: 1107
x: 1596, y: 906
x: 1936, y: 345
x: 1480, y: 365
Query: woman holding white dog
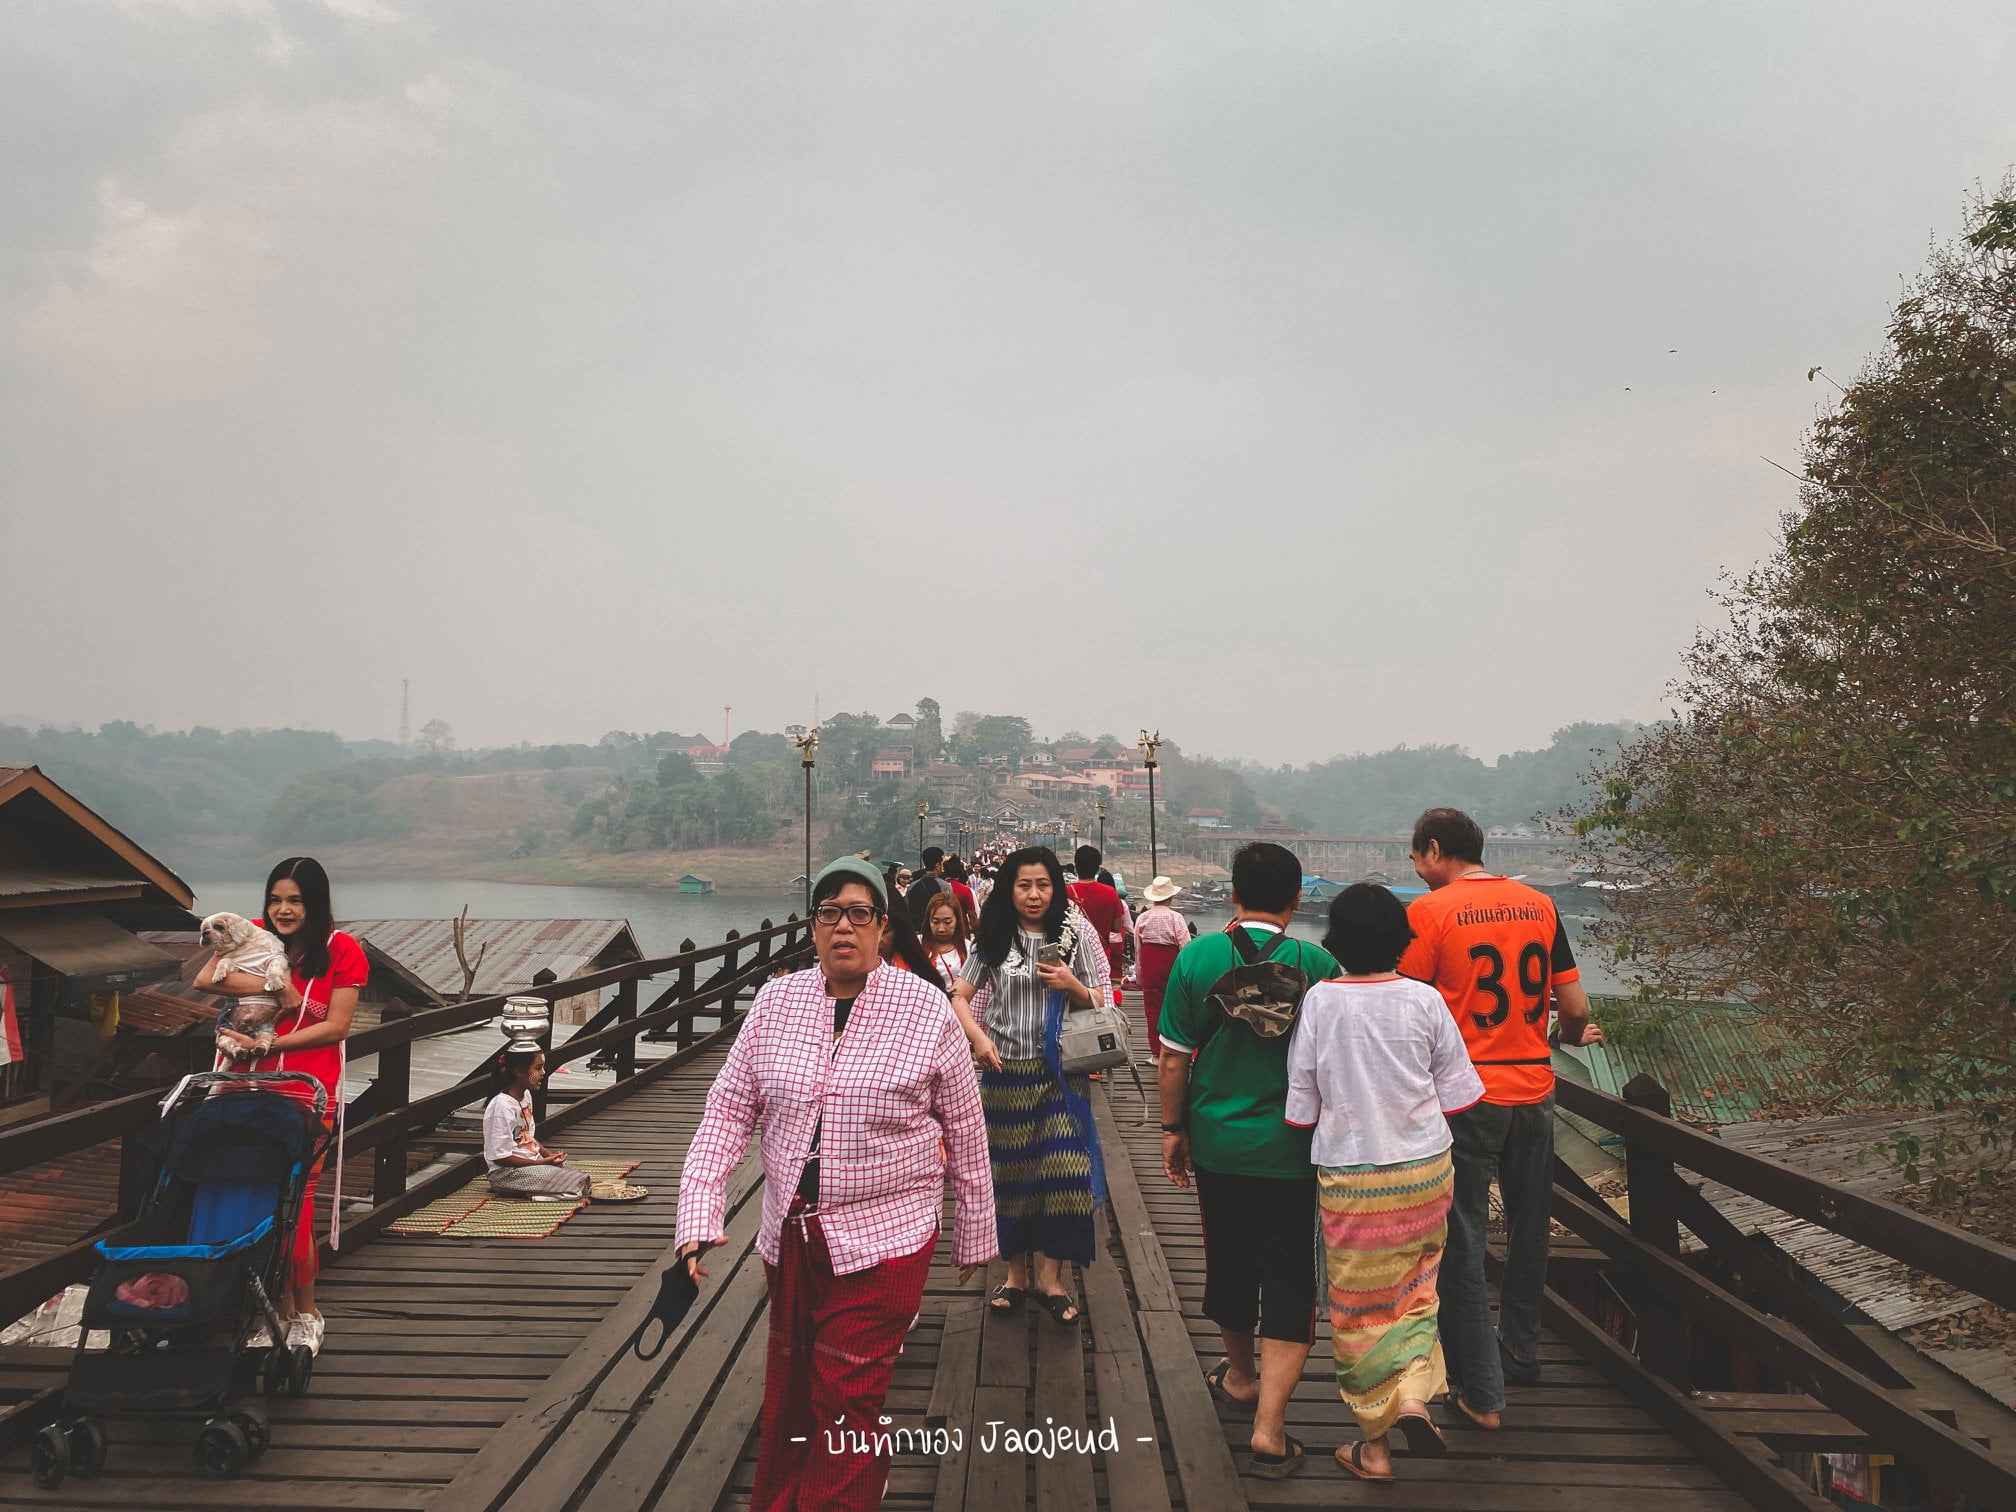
x: 326, y: 969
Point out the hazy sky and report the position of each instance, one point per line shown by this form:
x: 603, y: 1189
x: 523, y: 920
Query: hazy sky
x: 1294, y: 377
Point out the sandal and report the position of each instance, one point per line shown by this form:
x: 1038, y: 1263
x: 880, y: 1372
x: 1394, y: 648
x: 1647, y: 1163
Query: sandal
x: 1473, y: 1418
x: 1352, y: 1458
x: 1276, y: 1466
x: 1005, y: 1299
x: 1216, y: 1381
x: 1059, y: 1303
x: 1422, y: 1436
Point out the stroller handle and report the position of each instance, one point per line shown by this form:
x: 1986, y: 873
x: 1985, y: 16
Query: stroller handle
x: 250, y: 1079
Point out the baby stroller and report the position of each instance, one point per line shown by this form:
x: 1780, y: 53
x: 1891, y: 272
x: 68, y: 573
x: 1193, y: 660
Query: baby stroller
x: 193, y: 1275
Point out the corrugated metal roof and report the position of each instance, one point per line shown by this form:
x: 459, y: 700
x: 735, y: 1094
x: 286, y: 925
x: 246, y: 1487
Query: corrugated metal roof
x: 1836, y: 1148
x: 1721, y: 1062
x: 513, y: 950
x: 27, y: 880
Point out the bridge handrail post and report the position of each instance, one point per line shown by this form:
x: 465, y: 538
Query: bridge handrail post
x: 626, y: 1012
x: 395, y: 1083
x: 1655, y: 1218
x: 724, y: 1008
x: 687, y: 982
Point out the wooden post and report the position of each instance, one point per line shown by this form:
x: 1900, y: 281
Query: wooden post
x: 544, y: 976
x: 625, y: 1054
x: 395, y: 1091
x: 684, y: 1037
x: 724, y: 1006
x: 1655, y: 1218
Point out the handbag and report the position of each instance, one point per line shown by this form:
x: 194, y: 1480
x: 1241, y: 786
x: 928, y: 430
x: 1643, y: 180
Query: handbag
x: 1092, y: 1039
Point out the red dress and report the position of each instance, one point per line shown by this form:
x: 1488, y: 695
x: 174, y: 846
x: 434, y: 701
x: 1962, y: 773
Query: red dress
x: 1101, y: 904
x: 347, y: 968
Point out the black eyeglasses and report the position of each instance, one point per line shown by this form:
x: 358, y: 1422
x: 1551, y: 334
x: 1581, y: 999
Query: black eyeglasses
x: 860, y: 915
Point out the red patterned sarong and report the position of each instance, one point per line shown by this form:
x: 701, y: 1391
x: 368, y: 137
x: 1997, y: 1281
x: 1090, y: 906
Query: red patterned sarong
x: 1156, y: 962
x: 833, y: 1347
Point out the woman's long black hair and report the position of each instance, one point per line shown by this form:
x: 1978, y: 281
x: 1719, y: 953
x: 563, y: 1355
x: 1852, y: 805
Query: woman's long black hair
x: 308, y: 947
x: 1000, y: 922
x: 904, y: 944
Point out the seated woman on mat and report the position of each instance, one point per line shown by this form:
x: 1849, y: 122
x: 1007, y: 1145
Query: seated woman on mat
x: 519, y: 1165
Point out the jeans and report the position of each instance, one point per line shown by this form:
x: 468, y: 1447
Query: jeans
x: 1516, y: 1146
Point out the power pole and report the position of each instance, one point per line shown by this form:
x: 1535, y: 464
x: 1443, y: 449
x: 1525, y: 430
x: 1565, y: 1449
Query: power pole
x: 405, y: 712
x: 727, y: 714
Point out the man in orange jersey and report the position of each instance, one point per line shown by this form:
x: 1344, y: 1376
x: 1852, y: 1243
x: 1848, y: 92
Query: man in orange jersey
x: 1497, y: 952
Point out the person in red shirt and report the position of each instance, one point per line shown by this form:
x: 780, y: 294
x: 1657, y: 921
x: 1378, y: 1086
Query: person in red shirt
x: 328, y: 970
x: 1100, y: 903
x: 1498, y: 953
x: 955, y: 873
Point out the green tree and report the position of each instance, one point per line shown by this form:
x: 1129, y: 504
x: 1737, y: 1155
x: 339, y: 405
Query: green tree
x: 930, y: 729
x: 1832, y: 824
x: 675, y: 768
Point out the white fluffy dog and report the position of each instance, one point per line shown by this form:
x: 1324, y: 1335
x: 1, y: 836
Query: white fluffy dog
x: 242, y: 945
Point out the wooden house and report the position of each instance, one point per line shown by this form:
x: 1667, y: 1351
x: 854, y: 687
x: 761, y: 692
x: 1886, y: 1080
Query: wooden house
x: 73, y: 891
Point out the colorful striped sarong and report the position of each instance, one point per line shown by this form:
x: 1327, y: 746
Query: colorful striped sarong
x: 1383, y: 1231
x: 1042, y: 1156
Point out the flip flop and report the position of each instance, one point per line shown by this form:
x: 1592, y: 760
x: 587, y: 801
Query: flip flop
x: 1005, y: 1299
x: 1470, y: 1418
x: 1276, y: 1466
x: 1059, y: 1303
x: 1352, y: 1458
x: 1216, y: 1381
x: 1422, y: 1436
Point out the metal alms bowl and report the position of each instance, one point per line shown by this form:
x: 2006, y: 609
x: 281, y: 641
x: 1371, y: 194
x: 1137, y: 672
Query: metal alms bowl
x: 525, y: 1017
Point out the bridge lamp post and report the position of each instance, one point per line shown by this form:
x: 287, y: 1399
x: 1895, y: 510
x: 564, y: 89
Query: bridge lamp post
x: 923, y: 808
x: 807, y: 744
x: 1101, y: 808
x: 1149, y: 744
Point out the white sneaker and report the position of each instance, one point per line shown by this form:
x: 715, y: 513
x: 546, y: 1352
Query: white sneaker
x: 306, y: 1328
x: 257, y: 1336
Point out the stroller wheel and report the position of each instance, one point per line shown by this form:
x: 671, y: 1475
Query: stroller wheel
x: 87, y: 1446
x: 256, y: 1426
x: 49, y: 1456
x: 300, y: 1369
x: 221, y: 1449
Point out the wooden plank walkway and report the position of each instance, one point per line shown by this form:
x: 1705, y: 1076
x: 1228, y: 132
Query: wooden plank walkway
x: 478, y: 1375
x: 433, y: 1344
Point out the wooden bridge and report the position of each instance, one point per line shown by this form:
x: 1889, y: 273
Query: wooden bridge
x: 465, y: 1375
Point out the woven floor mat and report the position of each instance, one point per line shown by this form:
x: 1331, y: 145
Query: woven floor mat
x: 476, y: 1212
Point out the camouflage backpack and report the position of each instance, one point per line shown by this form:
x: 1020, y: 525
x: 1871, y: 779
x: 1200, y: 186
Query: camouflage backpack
x: 1261, y: 992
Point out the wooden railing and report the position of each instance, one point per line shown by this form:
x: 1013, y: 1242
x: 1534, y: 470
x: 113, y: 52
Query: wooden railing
x: 386, y: 1116
x: 1755, y: 1305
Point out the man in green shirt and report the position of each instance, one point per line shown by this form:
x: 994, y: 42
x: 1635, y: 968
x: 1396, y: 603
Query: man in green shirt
x: 1224, y: 1086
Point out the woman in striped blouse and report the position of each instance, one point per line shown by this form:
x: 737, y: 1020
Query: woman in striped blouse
x: 1035, y: 957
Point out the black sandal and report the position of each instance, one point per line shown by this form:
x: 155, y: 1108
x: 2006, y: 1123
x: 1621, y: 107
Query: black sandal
x: 1277, y: 1466
x: 1059, y: 1303
x: 1352, y: 1458
x: 1005, y: 1300
x: 1216, y: 1381
x: 1421, y: 1434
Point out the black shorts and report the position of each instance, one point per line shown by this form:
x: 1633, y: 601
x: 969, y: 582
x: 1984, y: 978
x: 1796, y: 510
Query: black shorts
x: 1261, y: 1248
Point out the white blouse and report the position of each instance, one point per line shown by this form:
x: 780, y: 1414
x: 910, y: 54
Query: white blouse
x: 1372, y: 1069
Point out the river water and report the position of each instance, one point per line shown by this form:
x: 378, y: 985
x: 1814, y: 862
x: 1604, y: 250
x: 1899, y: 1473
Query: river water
x: 662, y: 917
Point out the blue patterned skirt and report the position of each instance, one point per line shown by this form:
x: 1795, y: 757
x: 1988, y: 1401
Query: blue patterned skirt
x: 1045, y: 1156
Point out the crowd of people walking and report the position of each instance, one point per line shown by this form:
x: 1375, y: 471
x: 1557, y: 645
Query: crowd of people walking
x: 1342, y: 1111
